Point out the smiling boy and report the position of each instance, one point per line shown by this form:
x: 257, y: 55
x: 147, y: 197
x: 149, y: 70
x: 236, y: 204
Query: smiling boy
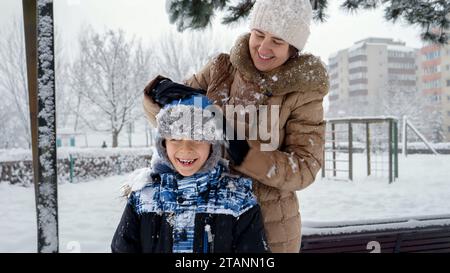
x: 187, y: 201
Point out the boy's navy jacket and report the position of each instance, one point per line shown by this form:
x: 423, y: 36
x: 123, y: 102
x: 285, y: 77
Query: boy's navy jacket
x: 204, y: 213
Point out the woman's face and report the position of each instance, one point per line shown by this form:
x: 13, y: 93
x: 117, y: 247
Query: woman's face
x: 267, y: 51
x: 187, y: 156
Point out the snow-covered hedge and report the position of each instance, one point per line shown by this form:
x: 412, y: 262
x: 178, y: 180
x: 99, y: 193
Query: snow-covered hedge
x: 84, y: 164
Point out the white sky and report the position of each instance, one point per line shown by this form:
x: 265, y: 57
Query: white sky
x: 147, y: 19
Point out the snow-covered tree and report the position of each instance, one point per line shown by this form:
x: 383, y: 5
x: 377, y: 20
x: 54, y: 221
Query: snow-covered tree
x: 77, y: 82
x: 13, y: 82
x: 14, y: 85
x: 63, y: 96
x: 423, y: 13
x: 9, y: 129
x: 420, y: 109
x: 179, y: 55
x: 403, y: 101
x: 436, y: 124
x: 109, y: 74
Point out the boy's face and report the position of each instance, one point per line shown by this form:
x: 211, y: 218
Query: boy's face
x: 187, y: 156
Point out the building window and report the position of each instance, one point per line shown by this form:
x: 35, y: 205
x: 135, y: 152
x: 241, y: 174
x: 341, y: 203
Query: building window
x: 358, y: 86
x: 432, y: 69
x: 402, y: 77
x: 448, y: 113
x: 359, y: 51
x: 360, y: 92
x: 398, y: 54
x: 357, y: 58
x: 357, y: 76
x: 436, y: 98
x: 449, y: 129
x: 432, y: 55
x: 409, y: 65
x: 433, y: 84
x: 448, y: 97
x: 448, y: 82
x: 447, y: 67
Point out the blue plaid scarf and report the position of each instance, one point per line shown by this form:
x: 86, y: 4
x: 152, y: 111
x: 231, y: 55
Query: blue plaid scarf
x: 184, y: 197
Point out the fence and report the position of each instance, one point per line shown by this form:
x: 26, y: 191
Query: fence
x: 76, y: 165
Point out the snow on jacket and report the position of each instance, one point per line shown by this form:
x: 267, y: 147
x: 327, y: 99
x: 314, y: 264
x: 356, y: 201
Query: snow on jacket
x: 298, y: 88
x: 203, y: 213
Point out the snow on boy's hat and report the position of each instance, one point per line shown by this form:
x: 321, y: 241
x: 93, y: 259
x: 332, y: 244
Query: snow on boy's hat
x: 287, y: 19
x: 194, y: 118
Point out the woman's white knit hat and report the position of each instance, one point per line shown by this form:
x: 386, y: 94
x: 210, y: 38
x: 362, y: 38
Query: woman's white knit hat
x: 287, y: 19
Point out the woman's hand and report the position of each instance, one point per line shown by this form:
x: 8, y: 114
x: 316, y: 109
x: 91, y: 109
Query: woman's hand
x: 163, y: 91
x: 237, y: 149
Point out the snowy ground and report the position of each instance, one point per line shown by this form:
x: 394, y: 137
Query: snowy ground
x: 90, y: 211
x: 423, y: 188
x: 88, y: 215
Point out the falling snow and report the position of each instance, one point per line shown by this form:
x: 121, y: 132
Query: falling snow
x: 272, y: 171
x: 294, y: 165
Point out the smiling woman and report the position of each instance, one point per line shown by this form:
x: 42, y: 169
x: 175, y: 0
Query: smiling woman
x: 267, y: 50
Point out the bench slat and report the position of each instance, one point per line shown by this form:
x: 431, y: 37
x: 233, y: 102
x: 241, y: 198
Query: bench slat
x: 421, y: 239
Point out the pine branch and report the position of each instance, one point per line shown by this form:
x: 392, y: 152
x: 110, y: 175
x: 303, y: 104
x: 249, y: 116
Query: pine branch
x: 355, y: 5
x: 194, y: 14
x: 430, y: 15
x: 319, y: 10
x: 241, y: 10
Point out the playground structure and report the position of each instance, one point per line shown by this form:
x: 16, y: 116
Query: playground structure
x: 377, y: 137
x: 380, y: 144
x: 407, y: 124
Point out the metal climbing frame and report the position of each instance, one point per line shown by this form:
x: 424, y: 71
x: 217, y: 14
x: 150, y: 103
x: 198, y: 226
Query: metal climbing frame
x: 340, y: 144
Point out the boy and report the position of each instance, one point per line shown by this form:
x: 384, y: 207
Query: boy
x: 188, y: 202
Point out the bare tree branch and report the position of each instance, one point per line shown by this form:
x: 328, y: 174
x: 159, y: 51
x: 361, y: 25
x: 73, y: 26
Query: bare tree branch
x: 115, y: 71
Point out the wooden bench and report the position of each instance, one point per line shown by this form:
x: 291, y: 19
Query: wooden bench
x: 417, y: 234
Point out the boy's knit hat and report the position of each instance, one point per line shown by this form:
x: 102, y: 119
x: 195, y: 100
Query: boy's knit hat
x: 193, y: 118
x: 288, y: 19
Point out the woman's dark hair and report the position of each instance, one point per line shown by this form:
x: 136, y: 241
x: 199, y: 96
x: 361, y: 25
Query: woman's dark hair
x: 293, y: 51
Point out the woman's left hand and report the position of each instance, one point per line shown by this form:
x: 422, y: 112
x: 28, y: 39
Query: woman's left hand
x: 163, y: 91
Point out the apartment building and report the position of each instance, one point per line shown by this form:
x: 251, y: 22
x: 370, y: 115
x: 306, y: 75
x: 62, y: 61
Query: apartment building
x: 365, y: 75
x: 434, y: 83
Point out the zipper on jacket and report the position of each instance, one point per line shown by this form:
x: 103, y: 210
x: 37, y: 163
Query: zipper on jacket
x: 208, y: 240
